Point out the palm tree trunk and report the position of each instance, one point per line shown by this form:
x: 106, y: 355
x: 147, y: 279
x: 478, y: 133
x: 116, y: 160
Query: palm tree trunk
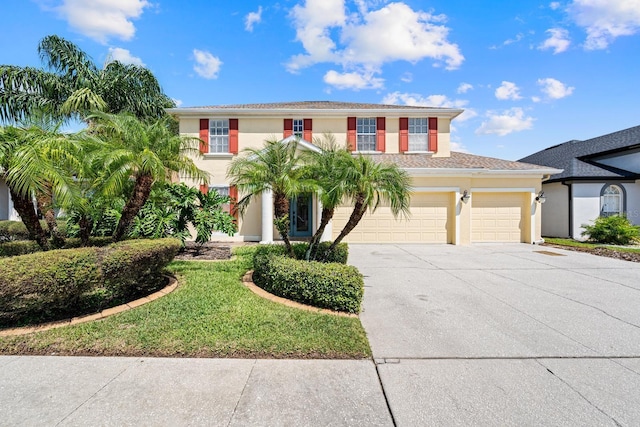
x: 85, y: 229
x: 45, y: 204
x: 141, y: 191
x: 26, y: 210
x: 359, y: 210
x: 327, y: 215
x: 281, y: 211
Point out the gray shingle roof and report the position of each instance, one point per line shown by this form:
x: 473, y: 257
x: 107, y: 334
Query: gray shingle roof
x: 456, y: 161
x: 315, y: 105
x: 577, y: 157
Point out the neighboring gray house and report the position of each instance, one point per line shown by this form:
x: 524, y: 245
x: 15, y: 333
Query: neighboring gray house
x: 601, y: 176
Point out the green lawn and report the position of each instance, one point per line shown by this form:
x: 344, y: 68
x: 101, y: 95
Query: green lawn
x: 211, y: 314
x: 586, y: 245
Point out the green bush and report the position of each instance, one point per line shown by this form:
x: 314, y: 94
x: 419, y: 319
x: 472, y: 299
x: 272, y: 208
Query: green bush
x: 68, y: 282
x: 13, y: 230
x: 326, y: 285
x: 612, y: 230
x: 339, y: 254
x: 23, y: 247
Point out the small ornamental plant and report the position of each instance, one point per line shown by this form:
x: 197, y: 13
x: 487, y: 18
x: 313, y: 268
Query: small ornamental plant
x: 612, y: 230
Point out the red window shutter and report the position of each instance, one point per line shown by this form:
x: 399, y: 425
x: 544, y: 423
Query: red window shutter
x: 233, y: 193
x: 204, y: 188
x: 288, y: 127
x: 233, y: 136
x: 404, y: 134
x: 433, y: 134
x: 380, y: 134
x: 308, y: 127
x: 351, y: 133
x: 204, y: 135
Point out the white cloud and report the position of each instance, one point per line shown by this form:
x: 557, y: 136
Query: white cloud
x: 458, y: 147
x: 536, y: 99
x: 367, y: 39
x: 178, y: 102
x: 605, y: 20
x: 558, y: 40
x: 554, y: 89
x: 417, y: 100
x: 407, y: 77
x: 207, y: 65
x: 508, y: 91
x: 103, y: 19
x: 501, y: 124
x: 252, y: 18
x: 464, y: 88
x: 554, y: 5
x: 353, y: 80
x: 124, y: 56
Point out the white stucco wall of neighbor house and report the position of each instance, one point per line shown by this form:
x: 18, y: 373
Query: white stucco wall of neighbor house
x: 633, y: 201
x: 555, y: 210
x: 4, y: 201
x: 586, y: 206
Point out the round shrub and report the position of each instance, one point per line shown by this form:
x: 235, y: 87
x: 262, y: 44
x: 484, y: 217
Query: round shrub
x: 339, y: 254
x: 68, y: 282
x: 612, y: 230
x: 326, y: 285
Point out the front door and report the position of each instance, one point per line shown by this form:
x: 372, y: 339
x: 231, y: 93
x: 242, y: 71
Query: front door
x: 300, y: 216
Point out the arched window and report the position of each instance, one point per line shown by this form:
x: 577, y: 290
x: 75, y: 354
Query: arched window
x: 611, y: 200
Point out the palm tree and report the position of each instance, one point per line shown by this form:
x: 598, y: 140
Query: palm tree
x: 142, y: 152
x: 371, y: 183
x: 32, y: 163
x: 71, y: 84
x: 330, y: 169
x: 276, y: 167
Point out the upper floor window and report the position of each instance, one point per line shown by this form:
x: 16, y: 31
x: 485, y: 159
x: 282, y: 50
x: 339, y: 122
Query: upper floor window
x: 366, y: 133
x: 419, y: 134
x: 298, y: 127
x: 611, y: 201
x: 219, y: 136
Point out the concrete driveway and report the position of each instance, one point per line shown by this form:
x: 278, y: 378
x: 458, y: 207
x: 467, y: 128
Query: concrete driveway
x: 509, y: 334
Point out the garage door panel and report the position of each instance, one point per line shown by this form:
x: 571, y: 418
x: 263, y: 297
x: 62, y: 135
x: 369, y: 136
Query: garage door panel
x: 496, y: 217
x: 427, y: 223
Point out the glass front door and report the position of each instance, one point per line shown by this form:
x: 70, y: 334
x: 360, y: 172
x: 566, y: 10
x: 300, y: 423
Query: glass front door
x: 300, y: 216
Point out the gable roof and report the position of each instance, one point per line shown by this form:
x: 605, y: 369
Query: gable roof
x: 577, y: 158
x: 314, y: 107
x: 461, y: 163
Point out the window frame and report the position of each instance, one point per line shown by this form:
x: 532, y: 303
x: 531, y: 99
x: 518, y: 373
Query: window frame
x: 605, y: 196
x: 416, y: 130
x: 297, y: 127
x: 218, y: 139
x: 368, y: 130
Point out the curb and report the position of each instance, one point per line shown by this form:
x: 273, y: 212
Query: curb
x: 173, y: 284
x: 247, y: 280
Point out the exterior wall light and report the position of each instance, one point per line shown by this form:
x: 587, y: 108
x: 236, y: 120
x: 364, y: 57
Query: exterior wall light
x: 540, y: 198
x: 465, y: 196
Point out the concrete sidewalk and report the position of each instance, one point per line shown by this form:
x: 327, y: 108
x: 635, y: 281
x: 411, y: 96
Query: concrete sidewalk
x: 108, y: 391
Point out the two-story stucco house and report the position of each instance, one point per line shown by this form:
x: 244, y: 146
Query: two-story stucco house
x: 457, y: 198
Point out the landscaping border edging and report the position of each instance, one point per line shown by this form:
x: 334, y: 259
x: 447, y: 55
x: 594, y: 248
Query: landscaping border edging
x: 173, y: 284
x: 247, y: 280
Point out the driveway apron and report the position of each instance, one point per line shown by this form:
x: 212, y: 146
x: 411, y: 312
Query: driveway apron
x: 509, y: 334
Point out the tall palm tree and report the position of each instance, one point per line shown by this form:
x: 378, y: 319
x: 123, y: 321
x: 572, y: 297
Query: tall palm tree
x: 276, y: 167
x: 370, y: 184
x: 32, y: 163
x: 145, y: 153
x: 330, y: 169
x: 72, y: 85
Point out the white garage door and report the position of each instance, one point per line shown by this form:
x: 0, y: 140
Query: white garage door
x: 427, y: 223
x: 496, y: 217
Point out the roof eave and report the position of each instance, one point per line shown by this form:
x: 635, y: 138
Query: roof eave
x: 480, y: 171
x: 450, y: 113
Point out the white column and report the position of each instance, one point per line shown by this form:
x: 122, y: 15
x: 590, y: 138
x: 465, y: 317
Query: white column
x: 327, y: 235
x: 267, y: 217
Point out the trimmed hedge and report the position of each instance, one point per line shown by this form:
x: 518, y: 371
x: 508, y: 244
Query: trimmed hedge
x: 326, y: 285
x: 12, y: 230
x: 24, y: 247
x: 68, y: 282
x: 339, y: 254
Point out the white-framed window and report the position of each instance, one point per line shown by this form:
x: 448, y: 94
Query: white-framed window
x: 221, y: 189
x: 298, y: 127
x: 218, y: 136
x: 611, y: 201
x: 366, y: 133
x: 419, y: 134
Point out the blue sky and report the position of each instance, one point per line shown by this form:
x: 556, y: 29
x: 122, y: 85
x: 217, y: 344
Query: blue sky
x: 530, y: 74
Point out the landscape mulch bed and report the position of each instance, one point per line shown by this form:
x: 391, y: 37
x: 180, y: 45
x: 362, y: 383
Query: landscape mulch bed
x: 207, y: 252
x: 626, y: 256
